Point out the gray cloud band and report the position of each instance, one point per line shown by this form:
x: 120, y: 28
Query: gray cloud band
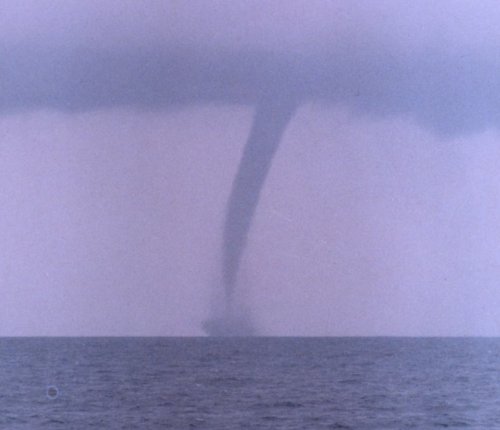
x: 449, y: 94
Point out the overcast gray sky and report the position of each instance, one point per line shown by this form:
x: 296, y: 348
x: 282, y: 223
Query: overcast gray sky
x: 122, y: 124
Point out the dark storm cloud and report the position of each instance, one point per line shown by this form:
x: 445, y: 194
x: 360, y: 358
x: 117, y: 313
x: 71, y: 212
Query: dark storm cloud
x: 448, y: 93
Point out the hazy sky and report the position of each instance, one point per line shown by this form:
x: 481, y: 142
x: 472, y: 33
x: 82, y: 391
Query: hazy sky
x: 122, y: 124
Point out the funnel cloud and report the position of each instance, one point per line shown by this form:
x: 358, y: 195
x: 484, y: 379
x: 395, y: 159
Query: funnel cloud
x: 271, y: 118
x: 272, y: 115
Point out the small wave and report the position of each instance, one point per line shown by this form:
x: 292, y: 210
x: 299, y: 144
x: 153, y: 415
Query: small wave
x: 452, y: 424
x: 270, y: 418
x: 287, y: 404
x: 281, y: 404
x: 54, y: 421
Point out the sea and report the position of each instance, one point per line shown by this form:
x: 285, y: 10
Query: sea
x: 249, y: 383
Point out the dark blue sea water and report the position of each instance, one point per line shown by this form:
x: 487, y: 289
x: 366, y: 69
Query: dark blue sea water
x: 249, y: 383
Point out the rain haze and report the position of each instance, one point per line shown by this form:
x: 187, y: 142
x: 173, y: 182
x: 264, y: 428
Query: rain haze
x: 368, y: 202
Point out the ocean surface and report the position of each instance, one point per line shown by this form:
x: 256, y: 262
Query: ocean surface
x: 249, y: 383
